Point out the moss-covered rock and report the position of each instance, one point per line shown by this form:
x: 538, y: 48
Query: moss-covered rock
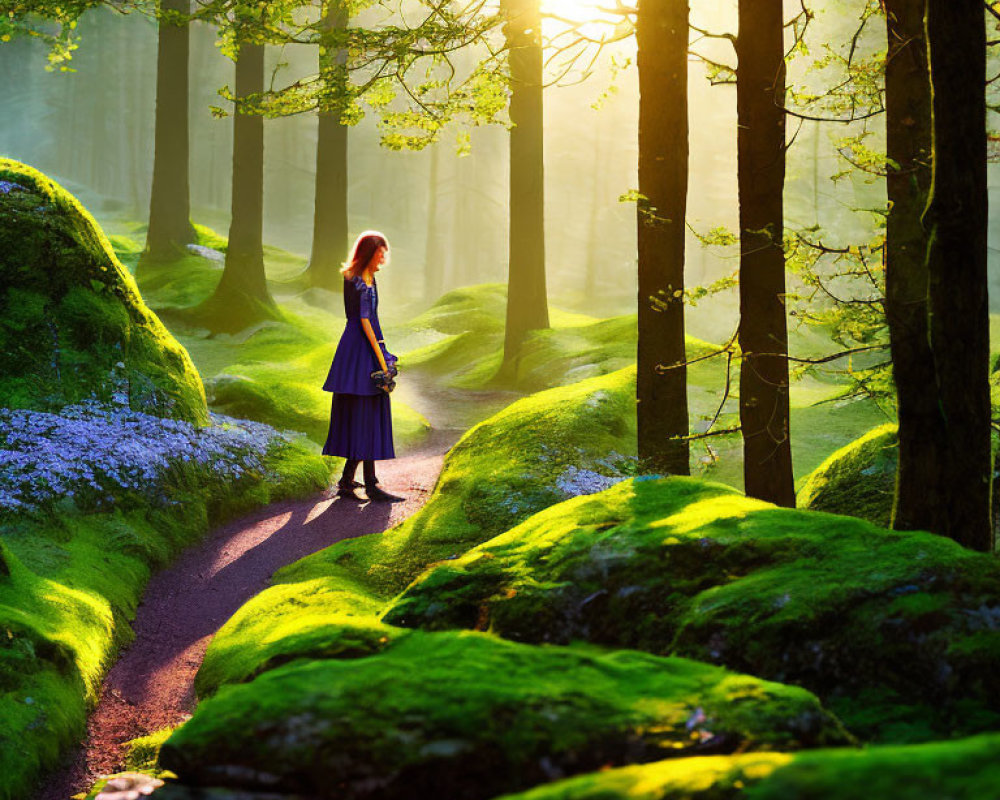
x: 72, y: 322
x: 858, y: 479
x: 466, y: 715
x: 967, y: 769
x: 897, y: 631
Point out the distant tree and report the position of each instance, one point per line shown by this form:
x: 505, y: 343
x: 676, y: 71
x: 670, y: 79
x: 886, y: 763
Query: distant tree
x: 330, y: 226
x: 922, y: 430
x: 763, y: 333
x: 527, y: 299
x: 170, y: 226
x: 242, y: 296
x: 661, y: 385
x: 957, y: 221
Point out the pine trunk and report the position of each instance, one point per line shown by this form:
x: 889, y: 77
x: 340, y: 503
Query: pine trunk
x: 330, y: 224
x: 661, y: 384
x: 918, y: 500
x: 241, y: 297
x: 763, y: 335
x: 527, y: 305
x: 170, y: 204
x: 956, y: 220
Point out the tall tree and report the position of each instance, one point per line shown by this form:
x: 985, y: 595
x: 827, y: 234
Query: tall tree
x: 527, y: 301
x: 242, y: 297
x: 661, y: 384
x: 922, y: 433
x: 330, y: 225
x: 763, y: 332
x: 170, y: 204
x: 956, y: 220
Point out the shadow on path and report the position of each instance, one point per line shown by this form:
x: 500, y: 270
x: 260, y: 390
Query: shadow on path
x: 152, y: 684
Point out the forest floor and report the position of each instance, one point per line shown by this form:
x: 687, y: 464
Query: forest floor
x: 151, y: 686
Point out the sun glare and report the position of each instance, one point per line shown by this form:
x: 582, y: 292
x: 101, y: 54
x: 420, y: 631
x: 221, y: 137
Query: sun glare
x: 583, y: 16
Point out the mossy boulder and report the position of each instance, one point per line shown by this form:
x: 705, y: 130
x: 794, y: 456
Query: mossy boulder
x: 72, y: 322
x: 966, y: 769
x: 467, y: 715
x: 858, y: 479
x: 899, y: 632
x: 318, y: 618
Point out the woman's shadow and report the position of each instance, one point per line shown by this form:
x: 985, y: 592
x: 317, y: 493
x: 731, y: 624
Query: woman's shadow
x: 203, y: 589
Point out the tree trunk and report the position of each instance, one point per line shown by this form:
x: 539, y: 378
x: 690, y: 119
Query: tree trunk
x: 763, y: 335
x: 956, y: 220
x: 170, y: 204
x: 330, y: 225
x: 241, y: 297
x: 661, y: 384
x: 434, y: 248
x: 527, y: 305
x: 922, y: 437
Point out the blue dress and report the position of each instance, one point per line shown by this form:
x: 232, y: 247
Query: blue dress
x: 360, y: 414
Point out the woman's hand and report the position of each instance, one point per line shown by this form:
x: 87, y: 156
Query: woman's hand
x: 370, y: 333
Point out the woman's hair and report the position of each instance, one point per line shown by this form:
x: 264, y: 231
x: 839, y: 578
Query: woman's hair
x: 364, y: 249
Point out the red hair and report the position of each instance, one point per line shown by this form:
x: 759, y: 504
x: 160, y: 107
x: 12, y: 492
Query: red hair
x: 364, y: 250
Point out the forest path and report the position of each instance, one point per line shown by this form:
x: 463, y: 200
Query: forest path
x: 151, y: 686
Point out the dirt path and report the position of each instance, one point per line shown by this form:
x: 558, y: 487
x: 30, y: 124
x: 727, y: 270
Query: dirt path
x: 152, y: 684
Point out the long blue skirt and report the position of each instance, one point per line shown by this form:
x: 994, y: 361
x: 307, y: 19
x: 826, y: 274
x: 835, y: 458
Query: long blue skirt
x: 360, y: 427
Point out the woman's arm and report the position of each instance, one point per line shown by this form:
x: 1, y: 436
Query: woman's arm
x: 370, y: 333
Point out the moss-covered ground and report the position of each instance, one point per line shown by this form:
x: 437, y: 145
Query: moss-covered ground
x: 896, y: 632
x: 858, y: 479
x: 466, y: 715
x: 350, y: 676
x: 466, y: 351
x: 966, y: 769
x: 529, y: 456
x: 72, y: 322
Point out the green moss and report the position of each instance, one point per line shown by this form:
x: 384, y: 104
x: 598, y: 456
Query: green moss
x: 469, y: 715
x: 72, y: 583
x: 960, y: 770
x: 576, y: 347
x: 682, y: 566
x: 209, y: 238
x: 72, y: 322
x: 143, y: 754
x: 499, y: 473
x: 858, y: 479
x: 481, y: 308
x: 313, y: 618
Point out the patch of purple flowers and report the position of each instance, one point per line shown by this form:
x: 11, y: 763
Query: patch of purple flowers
x: 575, y: 481
x: 93, y: 455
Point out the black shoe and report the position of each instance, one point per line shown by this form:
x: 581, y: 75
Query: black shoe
x: 379, y: 495
x: 348, y: 492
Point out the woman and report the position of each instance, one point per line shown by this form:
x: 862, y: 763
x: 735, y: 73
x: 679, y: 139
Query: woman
x: 361, y: 375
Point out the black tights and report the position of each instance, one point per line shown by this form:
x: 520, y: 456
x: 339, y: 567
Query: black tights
x: 351, y: 469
